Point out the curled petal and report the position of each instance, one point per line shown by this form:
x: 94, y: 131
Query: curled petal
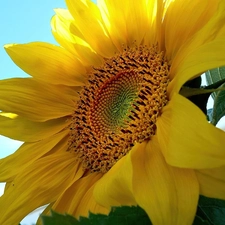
x: 187, y: 139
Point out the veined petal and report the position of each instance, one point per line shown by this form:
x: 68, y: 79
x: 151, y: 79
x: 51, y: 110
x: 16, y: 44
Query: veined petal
x: 114, y: 22
x: 48, y: 63
x: 28, y: 153
x: 78, y: 199
x: 115, y: 187
x: 212, y: 182
x: 203, y: 51
x: 186, y: 138
x: 89, y: 22
x: 142, y: 177
x: 61, y: 23
x: 61, y: 29
x: 35, y: 100
x: 179, y: 23
x: 116, y: 14
x: 19, y: 128
x: 89, y: 204
x: 169, y: 195
x: 199, y: 60
x: 44, y: 180
x: 158, y: 15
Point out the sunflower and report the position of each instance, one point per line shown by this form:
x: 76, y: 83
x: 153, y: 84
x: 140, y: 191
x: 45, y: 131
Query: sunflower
x: 101, y: 117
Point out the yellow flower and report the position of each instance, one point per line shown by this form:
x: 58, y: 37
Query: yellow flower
x: 101, y: 118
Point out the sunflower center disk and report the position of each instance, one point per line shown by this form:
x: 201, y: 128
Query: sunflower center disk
x: 119, y: 107
x: 114, y: 102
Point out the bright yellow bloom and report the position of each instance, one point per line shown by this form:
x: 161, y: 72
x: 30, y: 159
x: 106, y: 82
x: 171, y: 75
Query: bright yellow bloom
x: 102, y: 118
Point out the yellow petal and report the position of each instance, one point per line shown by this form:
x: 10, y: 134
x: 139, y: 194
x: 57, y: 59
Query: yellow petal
x: 78, y: 199
x: 127, y: 21
x: 89, y: 204
x: 142, y: 177
x: 206, y: 57
x: 28, y: 153
x: 115, y: 187
x: 35, y: 100
x: 159, y: 9
x: 40, y: 183
x: 212, y: 182
x: 61, y: 23
x: 61, y: 29
x: 179, y: 23
x: 169, y: 195
x: 187, y: 139
x: 89, y: 22
x: 19, y: 128
x: 203, y: 51
x: 48, y: 63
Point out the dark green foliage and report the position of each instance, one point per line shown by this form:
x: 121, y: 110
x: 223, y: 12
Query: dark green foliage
x: 118, y: 216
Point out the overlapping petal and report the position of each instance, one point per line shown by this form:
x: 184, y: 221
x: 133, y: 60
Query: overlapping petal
x: 88, y: 18
x: 115, y: 187
x: 48, y: 63
x: 35, y: 100
x: 117, y: 13
x: 156, y: 32
x: 22, y: 129
x: 186, y: 138
x: 196, y: 62
x: 169, y: 195
x: 15, y: 163
x: 62, y: 24
x: 179, y: 26
x: 212, y: 182
x: 44, y: 180
x: 81, y: 193
x: 202, y: 51
x: 89, y: 204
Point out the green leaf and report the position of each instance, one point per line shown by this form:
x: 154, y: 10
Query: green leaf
x: 214, y: 76
x: 59, y: 219
x: 119, y: 216
x: 219, y: 106
x: 199, y: 221
x: 212, y: 210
